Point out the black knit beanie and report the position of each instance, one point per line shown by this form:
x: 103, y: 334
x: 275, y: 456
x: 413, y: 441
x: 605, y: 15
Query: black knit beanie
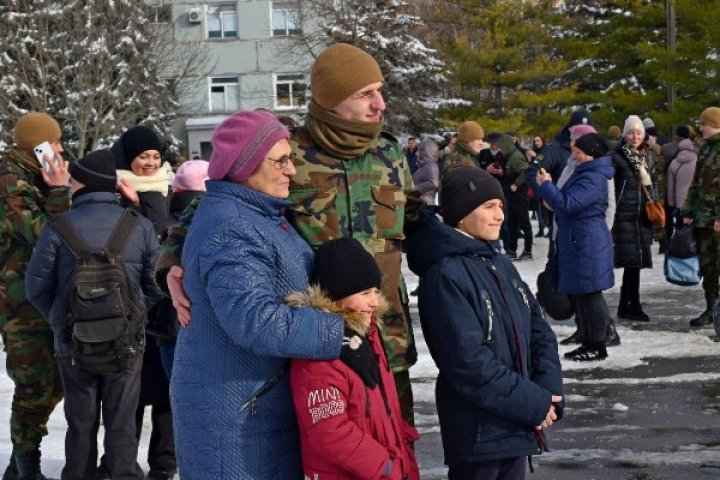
x: 96, y: 170
x: 343, y: 267
x: 132, y: 143
x: 580, y: 117
x: 683, y: 131
x: 464, y: 189
x: 592, y: 144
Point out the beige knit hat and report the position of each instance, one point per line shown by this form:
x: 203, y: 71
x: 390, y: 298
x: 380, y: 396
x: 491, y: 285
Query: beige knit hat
x: 711, y: 117
x: 633, y: 122
x: 470, y: 131
x: 34, y: 128
x: 339, y: 71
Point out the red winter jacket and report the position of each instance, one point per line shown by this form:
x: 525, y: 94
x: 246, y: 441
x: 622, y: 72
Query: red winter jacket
x: 346, y: 430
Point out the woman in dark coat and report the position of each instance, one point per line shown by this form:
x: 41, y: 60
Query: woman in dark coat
x: 584, y: 266
x: 500, y: 381
x: 145, y: 186
x: 632, y: 231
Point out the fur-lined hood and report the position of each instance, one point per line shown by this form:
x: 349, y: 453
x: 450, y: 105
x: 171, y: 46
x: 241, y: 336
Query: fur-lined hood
x: 315, y: 297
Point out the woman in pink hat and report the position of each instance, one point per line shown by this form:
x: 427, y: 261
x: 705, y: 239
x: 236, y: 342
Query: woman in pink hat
x: 230, y: 390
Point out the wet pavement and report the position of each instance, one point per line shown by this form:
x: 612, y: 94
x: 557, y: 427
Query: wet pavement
x: 657, y: 421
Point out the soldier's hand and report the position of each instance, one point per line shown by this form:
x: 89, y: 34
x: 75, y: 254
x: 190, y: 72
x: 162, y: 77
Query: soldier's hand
x: 716, y: 226
x: 180, y: 301
x: 687, y: 220
x: 59, y: 175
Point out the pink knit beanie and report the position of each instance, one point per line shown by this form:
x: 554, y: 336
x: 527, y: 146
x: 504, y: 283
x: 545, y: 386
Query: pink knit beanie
x: 241, y: 142
x: 191, y: 176
x: 577, y: 131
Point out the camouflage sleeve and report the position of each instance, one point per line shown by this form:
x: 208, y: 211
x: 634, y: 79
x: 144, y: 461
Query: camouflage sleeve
x: 413, y: 203
x: 171, y: 248
x: 23, y: 216
x: 518, y: 165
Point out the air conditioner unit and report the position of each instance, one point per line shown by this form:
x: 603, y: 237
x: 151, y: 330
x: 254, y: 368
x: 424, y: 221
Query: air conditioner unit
x: 195, y: 15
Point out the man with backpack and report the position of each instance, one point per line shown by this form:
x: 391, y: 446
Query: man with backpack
x: 91, y: 277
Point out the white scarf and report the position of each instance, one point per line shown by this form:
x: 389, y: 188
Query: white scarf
x: 159, y: 182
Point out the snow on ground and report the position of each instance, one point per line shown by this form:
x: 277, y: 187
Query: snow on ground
x: 636, y: 347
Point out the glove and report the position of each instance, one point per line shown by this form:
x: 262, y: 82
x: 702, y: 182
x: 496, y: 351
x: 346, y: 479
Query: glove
x: 357, y: 353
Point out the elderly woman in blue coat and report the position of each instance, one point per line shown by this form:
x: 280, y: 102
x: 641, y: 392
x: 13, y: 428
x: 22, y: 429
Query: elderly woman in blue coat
x: 584, y: 266
x: 230, y: 390
x: 500, y: 381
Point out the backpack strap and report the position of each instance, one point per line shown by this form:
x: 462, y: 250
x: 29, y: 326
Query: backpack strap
x: 121, y: 234
x: 79, y: 246
x: 69, y: 235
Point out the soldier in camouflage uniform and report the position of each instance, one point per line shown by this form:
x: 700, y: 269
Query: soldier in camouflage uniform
x: 702, y: 209
x: 30, y: 195
x: 469, y: 144
x: 352, y: 181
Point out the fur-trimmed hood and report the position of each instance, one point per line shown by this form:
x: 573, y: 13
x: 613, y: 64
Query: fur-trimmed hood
x: 315, y: 297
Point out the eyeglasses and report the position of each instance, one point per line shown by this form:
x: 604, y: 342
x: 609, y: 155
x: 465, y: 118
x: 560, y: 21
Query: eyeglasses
x: 283, y: 161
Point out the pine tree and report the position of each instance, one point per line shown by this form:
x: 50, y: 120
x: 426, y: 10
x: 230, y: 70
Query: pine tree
x: 621, y: 63
x: 501, y: 62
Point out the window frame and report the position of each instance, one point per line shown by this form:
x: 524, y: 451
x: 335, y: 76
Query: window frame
x: 216, y: 9
x: 290, y: 79
x: 287, y: 8
x: 231, y: 81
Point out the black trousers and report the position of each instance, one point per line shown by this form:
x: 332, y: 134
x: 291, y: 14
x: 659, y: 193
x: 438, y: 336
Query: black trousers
x: 592, y: 316
x: 506, y: 469
x: 519, y: 221
x: 155, y: 392
x: 116, y: 395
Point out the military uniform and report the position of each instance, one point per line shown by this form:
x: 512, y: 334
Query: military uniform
x: 460, y: 155
x: 703, y: 205
x: 27, y: 203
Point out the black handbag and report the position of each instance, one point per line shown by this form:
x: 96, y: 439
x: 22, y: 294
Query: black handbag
x: 682, y: 243
x: 556, y: 304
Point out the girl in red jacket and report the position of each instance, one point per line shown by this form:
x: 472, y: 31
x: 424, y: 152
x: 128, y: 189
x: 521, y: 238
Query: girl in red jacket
x: 348, y: 409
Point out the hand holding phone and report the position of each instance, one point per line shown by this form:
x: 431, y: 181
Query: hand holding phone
x: 44, y: 153
x: 54, y: 168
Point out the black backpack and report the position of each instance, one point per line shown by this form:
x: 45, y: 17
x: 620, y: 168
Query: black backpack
x: 105, y: 317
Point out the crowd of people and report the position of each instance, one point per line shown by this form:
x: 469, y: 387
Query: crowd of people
x: 256, y: 303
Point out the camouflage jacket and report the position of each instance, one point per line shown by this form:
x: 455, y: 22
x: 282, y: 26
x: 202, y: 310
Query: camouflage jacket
x: 460, y: 155
x: 26, y: 204
x: 368, y: 198
x: 703, y: 198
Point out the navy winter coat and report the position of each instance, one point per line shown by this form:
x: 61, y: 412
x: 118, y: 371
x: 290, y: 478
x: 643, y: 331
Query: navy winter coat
x: 233, y: 411
x: 47, y: 283
x: 632, y: 232
x: 584, y: 246
x: 497, y: 356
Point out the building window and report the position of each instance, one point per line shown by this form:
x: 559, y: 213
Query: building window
x: 289, y: 91
x: 161, y: 13
x: 286, y: 19
x: 222, y: 21
x: 224, y: 94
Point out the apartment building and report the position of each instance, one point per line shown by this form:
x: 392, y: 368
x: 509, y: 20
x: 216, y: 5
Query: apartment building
x: 252, y: 62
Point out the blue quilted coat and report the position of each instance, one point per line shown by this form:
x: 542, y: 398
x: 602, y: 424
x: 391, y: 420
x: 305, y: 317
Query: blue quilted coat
x: 233, y: 411
x: 584, y: 245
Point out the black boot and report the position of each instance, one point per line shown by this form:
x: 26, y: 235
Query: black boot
x: 705, y: 318
x: 624, y: 303
x: 572, y: 339
x: 588, y: 352
x: 11, y: 472
x: 28, y: 465
x: 612, y: 338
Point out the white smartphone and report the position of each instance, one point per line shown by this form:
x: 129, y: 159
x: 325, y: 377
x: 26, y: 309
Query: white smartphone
x: 43, y: 152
